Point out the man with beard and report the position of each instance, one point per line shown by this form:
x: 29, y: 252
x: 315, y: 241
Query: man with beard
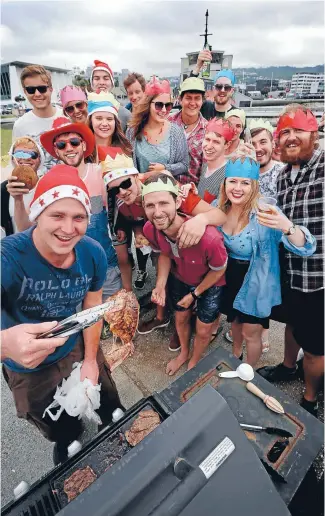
x: 194, y: 275
x: 194, y: 125
x: 124, y: 184
x: 301, y: 198
x: 223, y: 87
x: 102, y: 79
x: 262, y: 140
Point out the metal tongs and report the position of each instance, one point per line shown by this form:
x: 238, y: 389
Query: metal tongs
x: 80, y: 321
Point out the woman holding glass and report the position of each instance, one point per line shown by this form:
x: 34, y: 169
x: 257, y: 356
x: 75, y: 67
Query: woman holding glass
x: 252, y: 234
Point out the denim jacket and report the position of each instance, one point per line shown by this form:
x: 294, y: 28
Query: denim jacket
x: 261, y: 288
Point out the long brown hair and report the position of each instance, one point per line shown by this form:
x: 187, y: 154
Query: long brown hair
x: 224, y: 204
x: 140, y: 116
x: 118, y: 140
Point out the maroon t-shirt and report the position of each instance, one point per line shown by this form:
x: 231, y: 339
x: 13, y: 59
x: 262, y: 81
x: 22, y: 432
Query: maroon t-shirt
x: 191, y: 265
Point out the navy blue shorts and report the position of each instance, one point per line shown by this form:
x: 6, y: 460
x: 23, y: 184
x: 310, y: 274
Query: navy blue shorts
x: 208, y: 304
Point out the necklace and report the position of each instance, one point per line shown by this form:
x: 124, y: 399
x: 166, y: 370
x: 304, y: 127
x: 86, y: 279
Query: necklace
x: 153, y: 138
x: 186, y: 126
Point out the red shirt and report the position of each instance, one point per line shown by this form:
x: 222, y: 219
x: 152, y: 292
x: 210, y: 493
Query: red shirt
x: 191, y: 265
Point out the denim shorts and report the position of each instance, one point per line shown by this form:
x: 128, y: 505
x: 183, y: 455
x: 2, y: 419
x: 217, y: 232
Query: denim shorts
x: 113, y: 282
x: 208, y: 304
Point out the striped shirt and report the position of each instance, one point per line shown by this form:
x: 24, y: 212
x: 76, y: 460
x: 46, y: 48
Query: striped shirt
x: 302, y: 202
x: 208, y: 187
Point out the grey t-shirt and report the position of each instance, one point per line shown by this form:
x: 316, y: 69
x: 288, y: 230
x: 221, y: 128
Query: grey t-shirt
x: 212, y: 183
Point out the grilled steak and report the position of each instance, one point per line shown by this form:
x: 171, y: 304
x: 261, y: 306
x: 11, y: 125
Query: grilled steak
x: 123, y: 320
x: 78, y: 482
x: 145, y: 423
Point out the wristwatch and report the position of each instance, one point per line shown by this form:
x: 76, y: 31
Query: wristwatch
x: 291, y: 230
x: 195, y: 297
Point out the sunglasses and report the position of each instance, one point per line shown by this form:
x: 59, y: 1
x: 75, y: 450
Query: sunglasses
x: 220, y: 87
x: 159, y: 106
x: 26, y: 154
x: 127, y: 183
x: 31, y: 89
x: 74, y: 142
x: 78, y: 106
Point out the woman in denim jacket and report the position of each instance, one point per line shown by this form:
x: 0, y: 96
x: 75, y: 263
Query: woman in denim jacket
x: 252, y: 239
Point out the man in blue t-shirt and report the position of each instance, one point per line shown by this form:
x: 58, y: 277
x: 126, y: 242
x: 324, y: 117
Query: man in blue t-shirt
x: 50, y: 272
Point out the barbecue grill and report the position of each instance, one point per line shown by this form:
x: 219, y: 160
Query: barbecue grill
x: 286, y: 460
x: 196, y: 461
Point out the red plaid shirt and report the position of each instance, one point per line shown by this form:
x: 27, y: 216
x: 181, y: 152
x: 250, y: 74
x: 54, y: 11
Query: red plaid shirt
x: 194, y: 142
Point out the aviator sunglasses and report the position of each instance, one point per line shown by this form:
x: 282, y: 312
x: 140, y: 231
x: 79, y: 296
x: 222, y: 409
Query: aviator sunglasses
x: 220, y: 87
x: 124, y: 185
x: 26, y: 154
x: 74, y: 142
x: 78, y: 105
x: 159, y: 106
x: 31, y: 89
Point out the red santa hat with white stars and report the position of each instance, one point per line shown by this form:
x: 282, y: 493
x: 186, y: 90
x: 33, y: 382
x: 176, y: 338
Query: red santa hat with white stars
x: 61, y: 182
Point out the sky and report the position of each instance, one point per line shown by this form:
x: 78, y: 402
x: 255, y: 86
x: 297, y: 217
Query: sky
x: 151, y: 37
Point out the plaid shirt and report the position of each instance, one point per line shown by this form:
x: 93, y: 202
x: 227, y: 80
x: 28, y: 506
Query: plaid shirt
x: 194, y: 142
x: 302, y: 202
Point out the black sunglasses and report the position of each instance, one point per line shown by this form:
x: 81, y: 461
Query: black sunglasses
x: 127, y: 183
x: 31, y: 89
x: 78, y: 105
x: 74, y: 142
x: 220, y: 87
x: 32, y: 154
x: 159, y: 106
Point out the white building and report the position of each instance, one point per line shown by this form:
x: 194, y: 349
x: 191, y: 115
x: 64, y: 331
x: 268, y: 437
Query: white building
x: 307, y: 83
x: 10, y: 81
x: 219, y: 61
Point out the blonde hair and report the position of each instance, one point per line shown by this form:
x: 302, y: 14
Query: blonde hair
x: 32, y: 70
x: 25, y: 140
x: 251, y: 204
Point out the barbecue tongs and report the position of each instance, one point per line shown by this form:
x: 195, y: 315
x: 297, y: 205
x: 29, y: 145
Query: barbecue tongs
x: 79, y: 321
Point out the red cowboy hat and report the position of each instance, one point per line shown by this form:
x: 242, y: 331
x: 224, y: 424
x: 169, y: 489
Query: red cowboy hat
x: 64, y: 125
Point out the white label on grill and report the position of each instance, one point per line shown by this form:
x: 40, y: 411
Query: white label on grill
x: 217, y: 457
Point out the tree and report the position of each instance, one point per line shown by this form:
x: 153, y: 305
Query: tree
x: 82, y: 82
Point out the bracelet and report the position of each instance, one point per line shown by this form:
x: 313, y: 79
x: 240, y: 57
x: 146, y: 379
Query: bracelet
x: 194, y: 295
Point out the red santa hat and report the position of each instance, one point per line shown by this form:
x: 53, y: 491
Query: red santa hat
x: 61, y: 182
x: 100, y: 65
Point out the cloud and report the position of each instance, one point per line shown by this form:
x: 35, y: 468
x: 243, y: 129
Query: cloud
x: 151, y: 37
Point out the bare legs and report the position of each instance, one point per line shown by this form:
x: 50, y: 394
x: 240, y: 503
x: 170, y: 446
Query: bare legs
x: 124, y: 265
x: 252, y: 334
x: 183, y: 328
x: 201, y: 341
x: 314, y: 372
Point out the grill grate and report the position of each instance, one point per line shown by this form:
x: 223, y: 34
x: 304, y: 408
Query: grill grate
x: 44, y: 506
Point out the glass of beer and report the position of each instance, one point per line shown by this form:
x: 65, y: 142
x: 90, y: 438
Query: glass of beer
x: 264, y: 204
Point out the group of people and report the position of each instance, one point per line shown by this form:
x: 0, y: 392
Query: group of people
x: 233, y: 225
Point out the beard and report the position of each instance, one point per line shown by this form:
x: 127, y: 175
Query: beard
x: 166, y: 224
x: 303, y: 156
x: 72, y: 163
x: 265, y: 159
x: 221, y: 100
